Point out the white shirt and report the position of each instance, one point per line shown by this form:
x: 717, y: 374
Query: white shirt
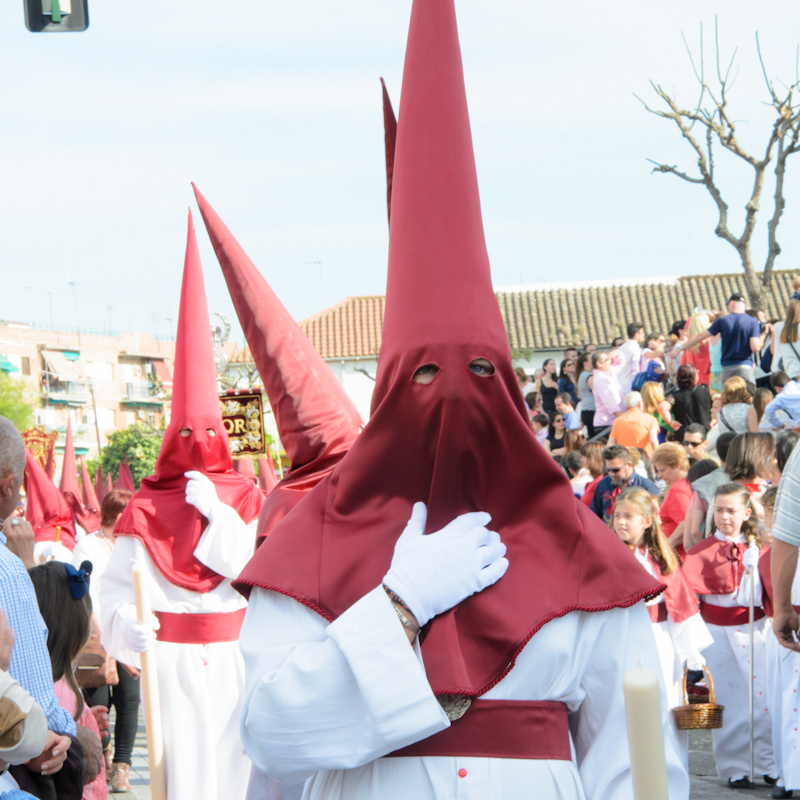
x: 631, y: 355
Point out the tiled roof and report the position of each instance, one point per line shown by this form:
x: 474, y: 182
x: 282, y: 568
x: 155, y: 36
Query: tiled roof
x: 348, y: 329
x: 553, y: 316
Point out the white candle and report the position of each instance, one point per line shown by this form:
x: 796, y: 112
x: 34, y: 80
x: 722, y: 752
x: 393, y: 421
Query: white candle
x: 150, y: 702
x: 645, y: 735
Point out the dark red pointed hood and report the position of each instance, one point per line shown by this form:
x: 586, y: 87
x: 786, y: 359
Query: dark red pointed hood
x: 46, y: 508
x: 158, y: 513
x: 460, y: 443
x: 390, y: 137
x: 70, y: 488
x: 317, y: 422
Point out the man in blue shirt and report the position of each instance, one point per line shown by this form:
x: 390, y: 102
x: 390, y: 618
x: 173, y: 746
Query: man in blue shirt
x: 619, y: 466
x: 30, y: 660
x: 741, y: 336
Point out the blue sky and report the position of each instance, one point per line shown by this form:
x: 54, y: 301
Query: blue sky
x: 274, y: 110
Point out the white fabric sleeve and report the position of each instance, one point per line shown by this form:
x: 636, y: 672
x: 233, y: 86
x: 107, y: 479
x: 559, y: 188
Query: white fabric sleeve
x: 320, y: 696
x: 689, y: 638
x: 227, y: 543
x: 29, y: 739
x: 117, y: 601
x: 600, y: 730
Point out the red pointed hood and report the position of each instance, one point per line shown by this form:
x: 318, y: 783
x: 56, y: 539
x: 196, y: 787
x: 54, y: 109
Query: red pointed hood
x: 50, y: 466
x: 90, y: 499
x: 460, y: 443
x: 266, y: 473
x: 390, y: 137
x: 244, y: 466
x: 109, y: 484
x: 46, y: 508
x: 99, y: 485
x: 158, y: 513
x: 124, y: 479
x: 317, y: 421
x: 71, y: 489
x: 126, y: 467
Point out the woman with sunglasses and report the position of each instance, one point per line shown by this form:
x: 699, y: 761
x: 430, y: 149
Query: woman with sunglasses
x: 554, y: 443
x: 566, y: 379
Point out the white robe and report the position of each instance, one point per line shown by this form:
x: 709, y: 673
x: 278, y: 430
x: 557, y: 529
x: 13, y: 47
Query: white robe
x: 201, y: 687
x: 784, y: 692
x: 326, y: 701
x: 728, y: 660
x: 675, y: 642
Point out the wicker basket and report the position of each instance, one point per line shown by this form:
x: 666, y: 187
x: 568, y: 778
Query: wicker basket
x: 694, y: 716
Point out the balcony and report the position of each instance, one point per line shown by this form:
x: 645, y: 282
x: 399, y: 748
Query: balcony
x: 68, y: 393
x: 141, y: 393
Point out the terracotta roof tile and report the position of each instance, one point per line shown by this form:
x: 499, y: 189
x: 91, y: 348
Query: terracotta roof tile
x: 553, y: 317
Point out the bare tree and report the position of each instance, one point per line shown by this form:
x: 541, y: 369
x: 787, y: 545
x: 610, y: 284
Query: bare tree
x: 709, y: 125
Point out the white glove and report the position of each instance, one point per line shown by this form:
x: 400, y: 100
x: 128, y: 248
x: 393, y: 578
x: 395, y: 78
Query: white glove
x: 436, y: 572
x: 201, y: 494
x: 750, y: 557
x: 695, y: 661
x: 140, y: 638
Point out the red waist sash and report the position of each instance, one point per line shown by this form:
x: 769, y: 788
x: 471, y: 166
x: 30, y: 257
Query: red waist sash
x: 199, y: 628
x: 658, y: 612
x: 531, y: 729
x: 728, y: 615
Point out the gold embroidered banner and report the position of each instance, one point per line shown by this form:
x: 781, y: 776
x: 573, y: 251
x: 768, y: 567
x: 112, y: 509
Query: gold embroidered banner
x: 243, y: 418
x: 40, y: 443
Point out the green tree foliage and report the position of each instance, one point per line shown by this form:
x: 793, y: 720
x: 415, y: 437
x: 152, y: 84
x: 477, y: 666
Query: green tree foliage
x: 138, y: 443
x: 14, y: 402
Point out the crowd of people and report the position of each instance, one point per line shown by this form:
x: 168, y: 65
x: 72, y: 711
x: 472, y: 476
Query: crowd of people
x: 678, y: 443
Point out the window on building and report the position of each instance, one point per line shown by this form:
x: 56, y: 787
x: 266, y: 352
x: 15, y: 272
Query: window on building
x: 26, y: 365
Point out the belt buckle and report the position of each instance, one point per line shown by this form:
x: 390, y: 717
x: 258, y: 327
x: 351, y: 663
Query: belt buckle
x: 454, y: 705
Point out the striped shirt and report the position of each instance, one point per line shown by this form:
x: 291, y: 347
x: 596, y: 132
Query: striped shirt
x: 30, y: 660
x: 786, y: 520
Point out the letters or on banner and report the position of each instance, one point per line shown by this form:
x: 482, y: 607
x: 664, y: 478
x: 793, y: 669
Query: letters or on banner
x: 40, y: 443
x: 243, y: 418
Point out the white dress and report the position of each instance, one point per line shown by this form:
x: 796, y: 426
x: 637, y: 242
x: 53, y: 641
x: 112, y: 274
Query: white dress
x: 675, y: 642
x: 201, y: 687
x: 326, y: 701
x: 728, y: 660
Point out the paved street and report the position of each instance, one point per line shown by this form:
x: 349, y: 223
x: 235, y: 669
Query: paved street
x: 705, y: 784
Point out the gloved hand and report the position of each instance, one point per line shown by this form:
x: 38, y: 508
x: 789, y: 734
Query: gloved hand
x: 750, y: 557
x: 436, y: 572
x: 140, y: 638
x: 201, y: 494
x: 695, y: 660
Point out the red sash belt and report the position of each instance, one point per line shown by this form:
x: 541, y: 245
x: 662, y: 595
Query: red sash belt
x: 728, y: 615
x: 531, y: 729
x: 199, y: 628
x: 658, y: 612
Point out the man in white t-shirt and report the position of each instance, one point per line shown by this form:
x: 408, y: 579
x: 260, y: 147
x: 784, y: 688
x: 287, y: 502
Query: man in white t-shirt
x: 630, y: 354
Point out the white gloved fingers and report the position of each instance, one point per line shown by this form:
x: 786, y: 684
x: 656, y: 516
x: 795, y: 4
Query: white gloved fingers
x: 415, y: 527
x: 750, y: 557
x: 480, y: 537
x: 491, y: 574
x: 466, y: 522
x: 154, y: 622
x: 194, y: 475
x: 490, y: 553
